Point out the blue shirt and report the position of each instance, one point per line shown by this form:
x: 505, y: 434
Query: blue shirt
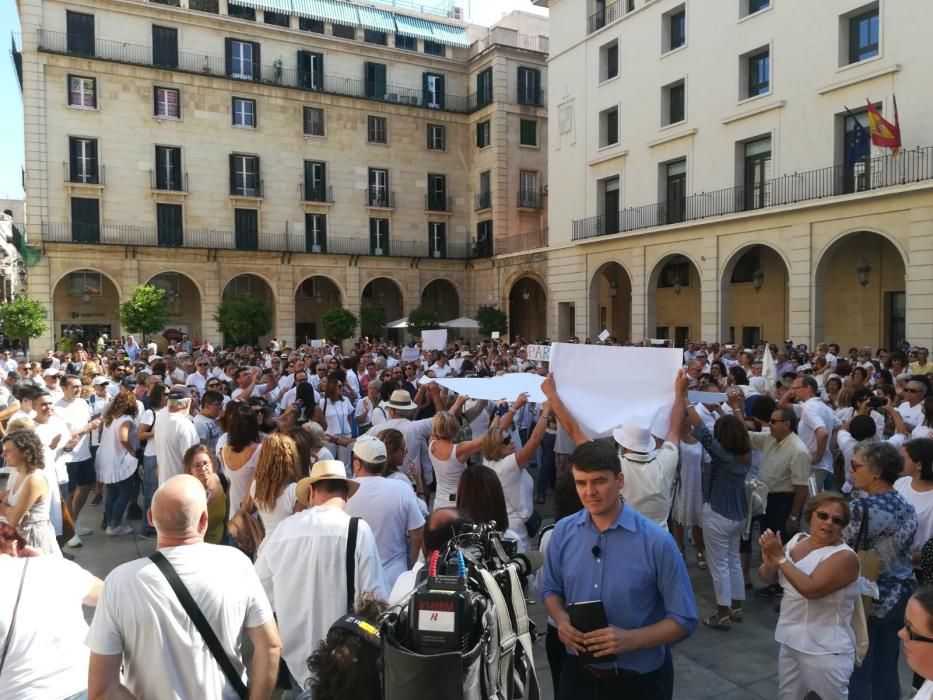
x: 640, y: 576
x: 723, y: 477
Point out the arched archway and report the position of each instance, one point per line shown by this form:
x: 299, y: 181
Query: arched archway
x: 754, y: 296
x: 673, y: 296
x: 859, y: 295
x: 442, y: 297
x: 527, y: 309
x: 385, y: 293
x: 314, y: 296
x: 85, y: 306
x: 250, y: 285
x: 611, y: 302
x: 184, y: 306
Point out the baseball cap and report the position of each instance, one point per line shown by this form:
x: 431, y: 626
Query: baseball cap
x: 50, y: 372
x: 100, y: 379
x: 370, y: 450
x: 179, y: 391
x: 128, y: 382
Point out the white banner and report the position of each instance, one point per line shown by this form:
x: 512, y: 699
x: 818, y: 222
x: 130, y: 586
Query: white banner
x: 539, y: 353
x: 434, y: 340
x: 709, y: 397
x: 507, y: 386
x: 604, y: 386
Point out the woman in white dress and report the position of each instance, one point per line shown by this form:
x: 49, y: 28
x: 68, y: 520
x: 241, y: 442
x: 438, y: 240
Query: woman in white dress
x: 335, y: 415
x: 917, y: 637
x: 687, y: 511
x: 116, y: 461
x: 240, y: 452
x: 276, y: 481
x: 447, y: 458
x: 26, y: 504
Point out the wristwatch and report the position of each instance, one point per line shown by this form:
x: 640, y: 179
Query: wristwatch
x: 782, y: 560
x: 793, y: 517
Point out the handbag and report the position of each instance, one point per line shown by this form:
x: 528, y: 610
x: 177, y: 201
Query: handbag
x: 869, y: 562
x: 201, y: 623
x: 9, y: 634
x: 860, y: 628
x: 533, y: 524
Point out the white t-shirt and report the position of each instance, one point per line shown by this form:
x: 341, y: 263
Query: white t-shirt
x: 283, y: 507
x: 312, y: 546
x: 925, y: 692
x: 391, y: 509
x: 76, y: 415
x: 149, y: 418
x: 54, y: 457
x: 98, y: 409
x: 649, y: 480
x: 174, y: 434
x: 47, y: 656
x: 164, y: 654
x: 912, y: 415
x: 814, y: 414
x: 518, y: 489
x: 337, y: 416
x: 922, y: 501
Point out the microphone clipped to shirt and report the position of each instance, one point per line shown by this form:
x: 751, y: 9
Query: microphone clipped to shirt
x: 597, y: 552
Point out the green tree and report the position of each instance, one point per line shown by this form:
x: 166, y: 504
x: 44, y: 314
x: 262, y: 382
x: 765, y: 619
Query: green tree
x: 339, y: 324
x: 145, y: 311
x: 372, y: 321
x: 422, y: 319
x: 490, y: 320
x: 244, y: 319
x: 23, y: 318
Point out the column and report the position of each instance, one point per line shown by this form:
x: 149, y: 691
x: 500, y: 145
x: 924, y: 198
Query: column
x: 919, y: 283
x: 638, y: 313
x: 284, y: 291
x: 709, y: 289
x: 210, y: 301
x: 804, y: 298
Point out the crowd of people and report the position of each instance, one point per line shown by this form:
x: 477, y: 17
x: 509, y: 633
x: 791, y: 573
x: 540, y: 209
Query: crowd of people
x: 285, y: 487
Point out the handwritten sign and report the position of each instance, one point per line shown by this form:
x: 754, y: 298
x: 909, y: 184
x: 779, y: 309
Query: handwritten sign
x: 604, y: 336
x: 495, y: 335
x: 539, y: 353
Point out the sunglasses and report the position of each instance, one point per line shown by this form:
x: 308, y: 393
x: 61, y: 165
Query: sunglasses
x: 908, y: 390
x: 913, y: 636
x: 507, y: 440
x: 824, y: 516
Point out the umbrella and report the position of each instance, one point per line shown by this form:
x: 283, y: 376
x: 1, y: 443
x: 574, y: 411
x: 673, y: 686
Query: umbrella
x: 462, y: 322
x: 401, y: 323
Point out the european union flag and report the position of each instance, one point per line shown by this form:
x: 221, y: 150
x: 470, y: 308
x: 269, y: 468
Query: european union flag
x: 859, y: 144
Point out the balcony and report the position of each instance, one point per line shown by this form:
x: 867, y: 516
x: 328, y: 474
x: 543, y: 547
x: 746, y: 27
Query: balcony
x: 379, y: 198
x: 273, y: 242
x: 874, y: 174
x: 530, y: 199
x: 522, y: 242
x: 95, y: 178
x: 500, y: 36
x: 318, y: 195
x: 482, y: 200
x: 162, y: 182
x: 601, y: 18
x: 16, y: 54
x: 203, y: 64
x: 438, y: 203
x: 252, y: 190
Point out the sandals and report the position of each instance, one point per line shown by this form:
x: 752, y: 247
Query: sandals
x: 701, y: 561
x: 737, y: 615
x: 723, y: 623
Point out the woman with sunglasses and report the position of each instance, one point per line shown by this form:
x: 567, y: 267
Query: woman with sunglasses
x: 917, y: 636
x: 819, y: 575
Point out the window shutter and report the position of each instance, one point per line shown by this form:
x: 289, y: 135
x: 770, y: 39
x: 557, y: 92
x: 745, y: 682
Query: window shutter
x: 178, y: 103
x: 257, y: 62
x: 232, y: 173
x: 258, y: 172
x: 304, y: 69
x: 92, y: 161
x: 155, y: 101
x: 425, y: 92
x: 522, y: 77
x: 175, y: 155
x: 322, y: 232
x: 74, y: 150
x: 536, y: 86
x: 228, y: 55
x: 372, y: 235
x: 441, y: 90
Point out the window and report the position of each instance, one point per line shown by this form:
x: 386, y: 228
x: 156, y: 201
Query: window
x: 379, y: 236
x: 166, y: 102
x: 863, y: 36
x: 315, y: 181
x: 243, y: 59
x: 80, y: 28
x: 310, y: 70
x: 434, y: 48
x: 432, y: 87
x: 675, y: 273
x: 241, y: 12
x: 609, y: 61
x: 609, y: 204
x: 673, y: 103
x: 371, y: 36
x: 759, y: 73
x: 629, y: 5
x: 856, y: 145
x: 316, y: 233
x: 484, y: 239
x: 246, y: 229
x: 437, y: 239
x: 168, y: 174
x: 437, y: 137
x: 528, y: 196
x: 312, y: 120
x: 244, y: 112
x: 757, y: 173
x: 528, y: 132
x: 757, y: 6
x: 484, y: 87
x: 377, y: 130
x: 675, y: 200
x: 82, y: 92
x: 677, y: 23
x: 306, y: 24
x: 344, y: 31
x: 169, y: 226
x: 375, y: 80
x: 211, y: 6
x: 379, y: 195
x: 85, y: 224
x: 279, y: 19
x: 244, y: 176
x: 529, y: 86
x: 609, y: 127
x: 83, y: 167
x: 85, y: 281
x: 437, y: 193
x: 406, y: 43
x: 484, y: 196
x: 164, y: 47
x: 482, y: 134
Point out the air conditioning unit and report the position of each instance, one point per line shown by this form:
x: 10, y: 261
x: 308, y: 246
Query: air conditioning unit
x: 410, y: 99
x: 456, y: 13
x: 315, y: 249
x: 377, y: 251
x: 392, y: 97
x: 437, y: 253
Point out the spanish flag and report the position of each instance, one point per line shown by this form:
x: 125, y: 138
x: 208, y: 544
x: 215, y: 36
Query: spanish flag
x: 884, y: 133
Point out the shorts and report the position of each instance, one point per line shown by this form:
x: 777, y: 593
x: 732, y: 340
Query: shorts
x: 81, y: 473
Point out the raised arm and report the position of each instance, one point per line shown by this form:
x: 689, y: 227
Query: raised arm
x: 560, y: 411
x: 525, y: 455
x: 677, y: 410
x: 506, y: 421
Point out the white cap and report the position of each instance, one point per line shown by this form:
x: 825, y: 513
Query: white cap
x: 100, y: 379
x: 50, y: 372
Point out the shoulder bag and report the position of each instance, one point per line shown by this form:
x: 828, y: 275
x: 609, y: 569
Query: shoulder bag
x: 9, y: 634
x: 351, y: 564
x: 201, y: 623
x: 245, y: 528
x: 869, y: 562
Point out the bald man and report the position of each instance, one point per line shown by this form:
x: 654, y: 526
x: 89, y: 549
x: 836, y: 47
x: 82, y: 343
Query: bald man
x: 140, y: 624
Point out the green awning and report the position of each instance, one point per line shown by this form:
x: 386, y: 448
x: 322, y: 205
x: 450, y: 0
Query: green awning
x: 328, y: 11
x: 283, y: 6
x: 452, y: 36
x: 378, y: 20
x: 413, y: 27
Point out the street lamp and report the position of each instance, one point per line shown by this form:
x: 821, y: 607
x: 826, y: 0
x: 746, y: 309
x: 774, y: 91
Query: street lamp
x: 758, y: 279
x: 863, y: 270
x: 87, y: 295
x: 526, y: 295
x: 677, y: 285
x: 613, y: 289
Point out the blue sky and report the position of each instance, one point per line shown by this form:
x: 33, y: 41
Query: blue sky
x: 11, y: 111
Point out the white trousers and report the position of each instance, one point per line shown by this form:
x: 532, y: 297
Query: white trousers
x: 722, y: 537
x: 827, y: 675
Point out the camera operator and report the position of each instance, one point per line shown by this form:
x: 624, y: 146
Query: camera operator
x: 590, y: 555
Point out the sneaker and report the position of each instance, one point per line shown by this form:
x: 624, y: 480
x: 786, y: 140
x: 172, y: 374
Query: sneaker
x: 701, y: 561
x: 119, y: 531
x: 97, y: 500
x: 134, y: 512
x: 83, y: 531
x: 74, y: 542
x: 69, y: 557
x: 148, y: 534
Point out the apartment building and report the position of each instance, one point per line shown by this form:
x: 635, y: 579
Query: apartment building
x: 712, y: 180
x: 311, y: 152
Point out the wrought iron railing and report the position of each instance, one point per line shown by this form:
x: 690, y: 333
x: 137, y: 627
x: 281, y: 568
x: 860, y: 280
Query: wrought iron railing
x: 482, y: 200
x: 530, y: 199
x: 166, y: 183
x: 377, y: 197
x: 915, y: 165
x: 522, y: 242
x: 318, y: 194
x: 600, y: 18
x: 435, y: 202
x: 95, y: 177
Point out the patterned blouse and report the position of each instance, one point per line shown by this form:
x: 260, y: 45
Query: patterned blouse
x: 892, y: 522
x: 926, y: 563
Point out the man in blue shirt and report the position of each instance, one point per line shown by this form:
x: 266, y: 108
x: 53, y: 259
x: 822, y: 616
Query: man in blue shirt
x: 611, y: 553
